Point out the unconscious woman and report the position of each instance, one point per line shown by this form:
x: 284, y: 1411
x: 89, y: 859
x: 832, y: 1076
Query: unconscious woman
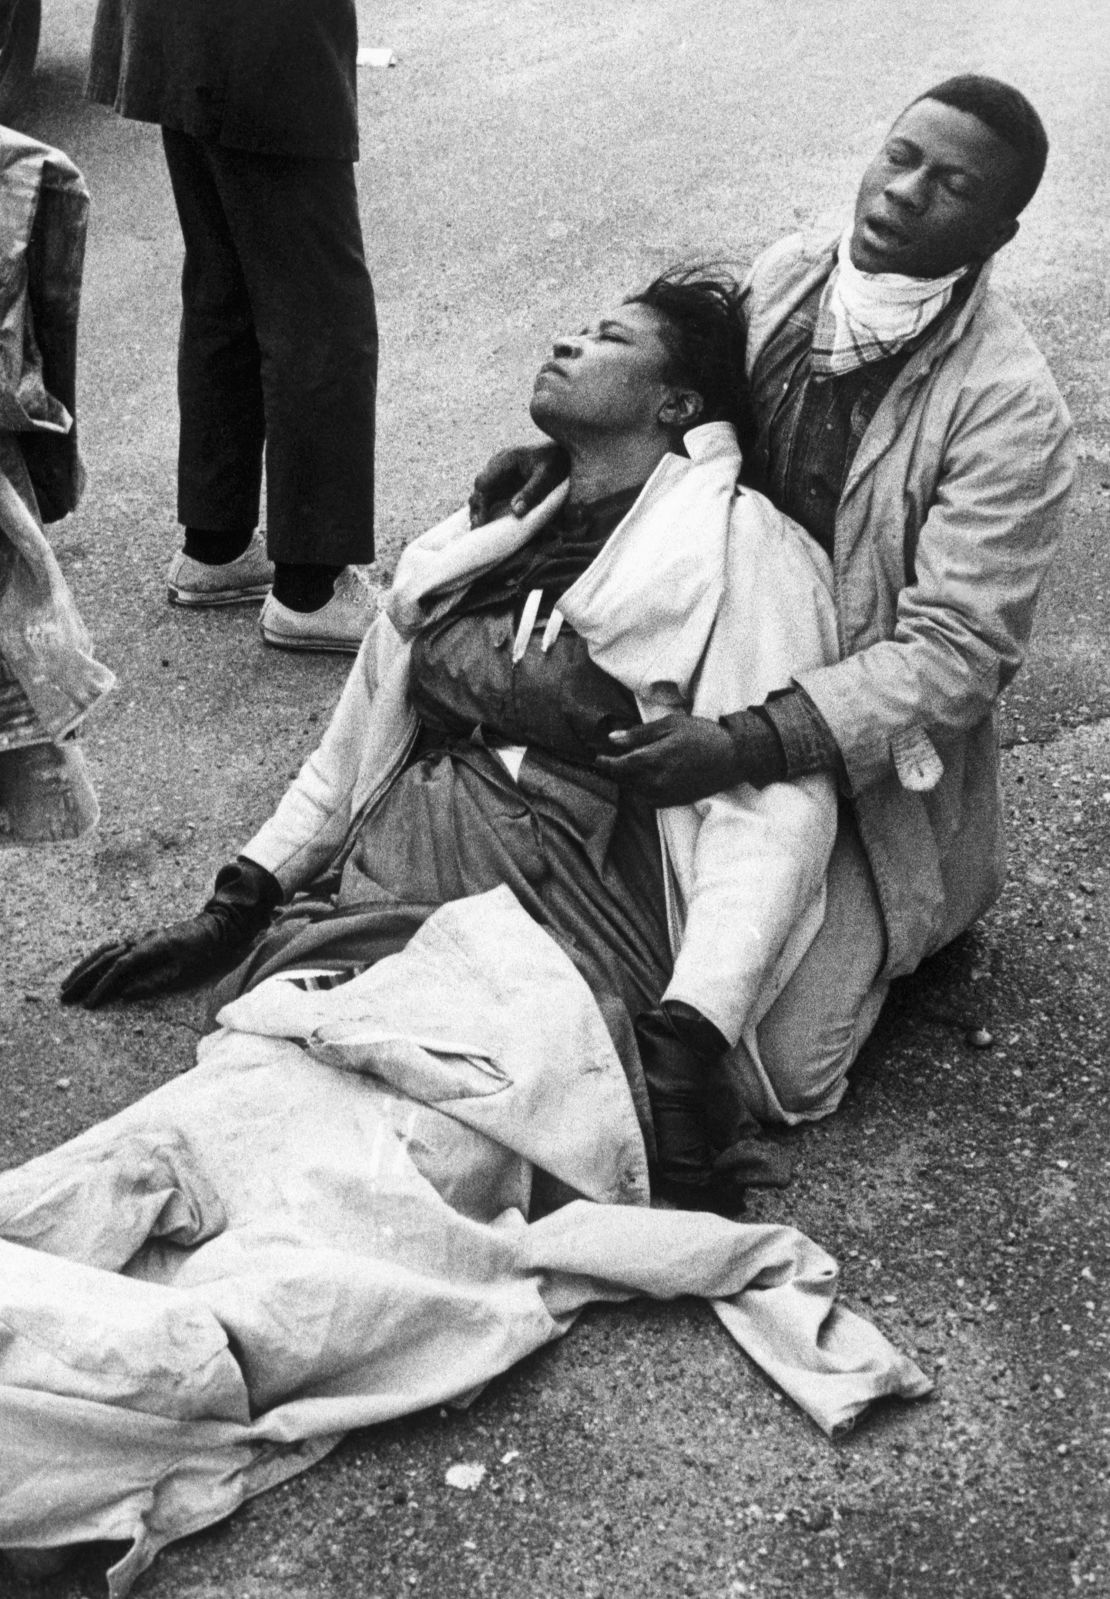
x: 461, y: 755
x: 419, y: 1140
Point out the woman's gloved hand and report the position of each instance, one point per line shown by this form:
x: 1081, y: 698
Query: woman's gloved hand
x: 185, y: 953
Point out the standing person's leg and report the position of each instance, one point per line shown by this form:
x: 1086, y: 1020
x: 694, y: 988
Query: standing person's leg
x: 297, y: 234
x: 219, y: 388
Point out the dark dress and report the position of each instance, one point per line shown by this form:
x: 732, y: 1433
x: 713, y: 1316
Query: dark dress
x: 582, y: 856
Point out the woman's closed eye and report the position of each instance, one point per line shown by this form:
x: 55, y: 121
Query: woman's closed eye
x: 606, y: 332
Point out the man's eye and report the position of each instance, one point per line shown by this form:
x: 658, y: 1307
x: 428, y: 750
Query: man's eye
x: 897, y: 156
x: 959, y: 188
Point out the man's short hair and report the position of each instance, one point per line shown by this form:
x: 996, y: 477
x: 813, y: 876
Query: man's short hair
x: 1009, y: 116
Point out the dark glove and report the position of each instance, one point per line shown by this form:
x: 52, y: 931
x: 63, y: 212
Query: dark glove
x: 185, y: 953
x: 524, y: 475
x: 677, y: 759
x: 673, y: 760
x: 678, y: 1050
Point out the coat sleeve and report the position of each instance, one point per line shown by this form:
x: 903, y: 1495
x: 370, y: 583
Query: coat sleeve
x: 312, y: 820
x: 756, y: 899
x: 749, y: 865
x: 963, y: 620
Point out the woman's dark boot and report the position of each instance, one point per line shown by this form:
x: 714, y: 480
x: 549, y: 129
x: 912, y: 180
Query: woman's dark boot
x: 678, y: 1050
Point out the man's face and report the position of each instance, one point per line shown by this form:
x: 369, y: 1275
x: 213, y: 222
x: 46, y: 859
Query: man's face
x: 936, y: 197
x: 608, y: 378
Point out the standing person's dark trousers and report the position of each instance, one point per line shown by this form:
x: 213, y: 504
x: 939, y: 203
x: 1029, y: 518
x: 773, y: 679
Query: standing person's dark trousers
x: 258, y: 104
x: 278, y: 351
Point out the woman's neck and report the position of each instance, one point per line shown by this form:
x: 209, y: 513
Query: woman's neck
x: 605, y: 466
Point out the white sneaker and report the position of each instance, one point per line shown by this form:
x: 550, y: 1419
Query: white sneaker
x: 243, y: 581
x: 340, y: 625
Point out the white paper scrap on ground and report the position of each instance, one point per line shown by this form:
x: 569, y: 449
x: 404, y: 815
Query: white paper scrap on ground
x: 467, y: 1474
x: 373, y: 56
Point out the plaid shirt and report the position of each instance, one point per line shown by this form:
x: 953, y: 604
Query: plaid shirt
x: 805, y: 449
x: 807, y: 444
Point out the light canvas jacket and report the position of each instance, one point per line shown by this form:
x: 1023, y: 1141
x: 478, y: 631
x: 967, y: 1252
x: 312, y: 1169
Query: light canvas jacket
x: 703, y: 597
x: 949, y: 519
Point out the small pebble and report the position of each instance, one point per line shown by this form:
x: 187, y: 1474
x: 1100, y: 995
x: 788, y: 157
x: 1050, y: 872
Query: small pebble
x: 63, y: 1082
x: 466, y: 1475
x: 979, y: 1038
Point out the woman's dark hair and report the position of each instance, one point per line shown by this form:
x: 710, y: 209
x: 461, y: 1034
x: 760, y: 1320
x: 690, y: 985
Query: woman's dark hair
x: 1010, y: 117
x: 704, y: 331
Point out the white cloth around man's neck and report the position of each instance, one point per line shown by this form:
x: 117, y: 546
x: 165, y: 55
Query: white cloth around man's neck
x: 867, y: 316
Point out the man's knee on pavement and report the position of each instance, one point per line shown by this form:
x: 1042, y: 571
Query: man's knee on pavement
x: 807, y: 1059
x: 800, y: 1069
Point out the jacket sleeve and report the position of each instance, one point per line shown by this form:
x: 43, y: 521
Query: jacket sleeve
x: 963, y: 619
x: 750, y: 864
x: 312, y: 820
x: 757, y: 897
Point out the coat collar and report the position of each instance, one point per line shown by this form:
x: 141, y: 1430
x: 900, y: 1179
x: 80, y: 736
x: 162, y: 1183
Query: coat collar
x: 810, y: 263
x: 889, y: 418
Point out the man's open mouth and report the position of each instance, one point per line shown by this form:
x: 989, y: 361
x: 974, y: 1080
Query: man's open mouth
x: 885, y: 232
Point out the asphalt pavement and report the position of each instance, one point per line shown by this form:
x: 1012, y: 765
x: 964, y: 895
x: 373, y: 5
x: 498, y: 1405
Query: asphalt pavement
x: 524, y: 165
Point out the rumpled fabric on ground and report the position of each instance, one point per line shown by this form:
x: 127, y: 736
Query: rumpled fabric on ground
x: 324, y: 1226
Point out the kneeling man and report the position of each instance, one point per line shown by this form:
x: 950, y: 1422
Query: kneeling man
x: 907, y: 421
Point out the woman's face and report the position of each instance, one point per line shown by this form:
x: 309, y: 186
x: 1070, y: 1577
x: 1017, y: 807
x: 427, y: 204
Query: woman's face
x: 610, y: 378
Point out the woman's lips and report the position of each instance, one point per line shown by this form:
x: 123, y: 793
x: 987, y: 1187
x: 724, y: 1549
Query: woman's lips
x: 549, y: 370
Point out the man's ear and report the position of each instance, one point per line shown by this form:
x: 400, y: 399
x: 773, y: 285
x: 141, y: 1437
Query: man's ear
x: 681, y: 409
x: 1002, y: 236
